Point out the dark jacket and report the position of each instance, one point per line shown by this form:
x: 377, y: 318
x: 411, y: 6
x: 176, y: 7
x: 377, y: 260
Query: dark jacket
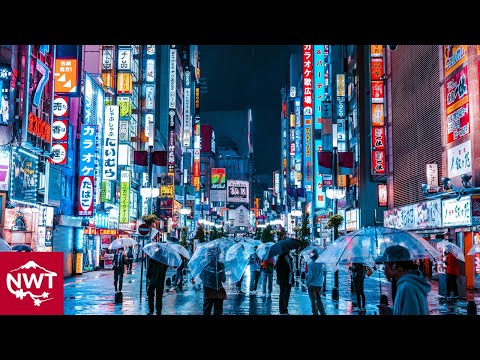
x: 284, y: 267
x: 156, y: 272
x: 119, y: 268
x: 358, y: 272
x: 213, y: 275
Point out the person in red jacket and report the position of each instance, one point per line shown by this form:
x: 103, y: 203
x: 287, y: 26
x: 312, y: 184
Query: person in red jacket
x: 452, y: 271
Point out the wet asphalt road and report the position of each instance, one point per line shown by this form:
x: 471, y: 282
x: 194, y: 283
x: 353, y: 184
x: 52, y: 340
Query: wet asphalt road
x: 93, y: 294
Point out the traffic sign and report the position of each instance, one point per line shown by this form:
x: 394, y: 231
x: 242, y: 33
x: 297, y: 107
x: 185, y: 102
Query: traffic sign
x: 143, y: 229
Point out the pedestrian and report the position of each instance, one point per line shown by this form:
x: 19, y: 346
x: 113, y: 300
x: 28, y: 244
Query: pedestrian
x: 267, y: 276
x: 384, y: 308
x: 255, y: 268
x: 179, y: 275
x: 213, y: 276
x: 314, y: 282
x: 284, y: 267
x: 156, y: 273
x: 412, y: 287
x: 130, y: 259
x: 358, y: 279
x: 119, y: 262
x: 452, y: 271
x: 238, y: 285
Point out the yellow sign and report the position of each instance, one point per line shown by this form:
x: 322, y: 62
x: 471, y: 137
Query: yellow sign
x: 166, y: 191
x: 79, y: 263
x: 124, y: 83
x: 196, y: 183
x: 453, y: 57
x: 177, y: 205
x: 342, y: 180
x: 376, y: 50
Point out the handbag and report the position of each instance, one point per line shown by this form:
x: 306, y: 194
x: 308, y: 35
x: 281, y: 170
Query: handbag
x: 368, y: 270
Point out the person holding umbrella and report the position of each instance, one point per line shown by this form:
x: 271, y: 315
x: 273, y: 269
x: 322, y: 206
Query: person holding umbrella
x: 358, y: 278
x: 452, y: 271
x: 412, y: 287
x: 213, y: 276
x: 314, y: 282
x: 156, y: 273
x: 119, y: 262
x: 284, y: 269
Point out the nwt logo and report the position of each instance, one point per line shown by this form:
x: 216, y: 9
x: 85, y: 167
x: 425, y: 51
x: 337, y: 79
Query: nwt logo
x: 31, y: 283
x: 34, y: 283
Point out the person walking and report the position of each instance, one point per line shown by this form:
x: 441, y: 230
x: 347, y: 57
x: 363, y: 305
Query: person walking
x: 267, y: 268
x: 358, y: 279
x: 156, y: 273
x: 255, y: 268
x: 284, y: 267
x: 213, y: 276
x: 179, y: 275
x: 314, y: 282
x: 412, y: 287
x: 130, y: 259
x: 119, y: 262
x: 452, y: 271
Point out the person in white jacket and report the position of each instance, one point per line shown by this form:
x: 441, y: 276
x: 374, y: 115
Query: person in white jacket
x: 314, y: 282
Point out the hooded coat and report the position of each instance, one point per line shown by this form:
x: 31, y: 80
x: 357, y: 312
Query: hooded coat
x: 411, y: 297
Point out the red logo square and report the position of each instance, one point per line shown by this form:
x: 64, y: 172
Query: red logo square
x: 31, y: 283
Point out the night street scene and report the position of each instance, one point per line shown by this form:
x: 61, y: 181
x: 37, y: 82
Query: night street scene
x: 311, y: 181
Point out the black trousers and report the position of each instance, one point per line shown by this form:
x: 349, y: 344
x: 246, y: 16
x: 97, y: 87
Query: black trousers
x: 155, y: 294
x: 358, y: 286
x: 217, y: 305
x: 452, y: 285
x: 118, y: 278
x: 284, y: 298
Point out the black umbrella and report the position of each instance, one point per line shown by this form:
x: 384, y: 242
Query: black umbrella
x: 21, y: 247
x: 173, y: 239
x: 283, y: 246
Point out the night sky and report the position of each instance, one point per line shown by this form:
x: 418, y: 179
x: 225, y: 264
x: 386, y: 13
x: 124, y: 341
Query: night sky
x: 241, y: 76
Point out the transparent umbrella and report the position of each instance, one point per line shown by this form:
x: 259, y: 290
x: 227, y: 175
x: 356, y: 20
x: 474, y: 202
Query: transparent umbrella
x: 254, y: 242
x: 210, y: 254
x: 263, y: 248
x: 474, y: 250
x: 122, y: 242
x: 445, y: 246
x: 181, y: 250
x: 4, y: 245
x: 237, y: 258
x: 306, y: 252
x: 367, y: 245
x: 163, y: 252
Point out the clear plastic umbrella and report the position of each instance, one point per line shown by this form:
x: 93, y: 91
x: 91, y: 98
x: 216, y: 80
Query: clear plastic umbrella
x: 4, y: 245
x: 306, y: 252
x: 163, y: 252
x: 237, y: 258
x: 445, y: 246
x: 181, y: 250
x: 474, y: 250
x: 263, y: 248
x: 254, y: 242
x: 368, y: 245
x: 122, y: 242
x: 210, y: 254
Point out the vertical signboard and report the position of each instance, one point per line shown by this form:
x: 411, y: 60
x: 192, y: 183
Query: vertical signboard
x: 24, y: 177
x: 86, y: 166
x: 124, y: 197
x: 319, y: 97
x: 298, y: 143
x: 459, y: 159
x: 110, y: 143
x: 308, y: 105
x: 456, y: 95
x: 172, y: 104
x: 378, y: 146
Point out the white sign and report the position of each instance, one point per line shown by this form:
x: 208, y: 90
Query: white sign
x: 124, y: 59
x: 460, y: 159
x: 172, y: 98
x: 150, y: 49
x: 293, y: 91
x: 187, y: 117
x: 241, y: 216
x: 110, y: 143
x: 150, y: 97
x: 60, y: 107
x: 59, y: 130
x: 107, y: 59
x: 59, y: 153
x: 150, y: 70
x: 457, y: 212
x: 237, y: 191
x: 432, y: 175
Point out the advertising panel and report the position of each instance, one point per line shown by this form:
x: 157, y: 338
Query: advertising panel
x: 187, y: 117
x: 453, y: 57
x: 65, y: 76
x: 377, y: 115
x: 376, y: 51
x: 124, y: 59
x: 456, y: 212
x: 24, y: 177
x: 86, y: 166
x: 460, y: 159
x: 125, y: 106
x: 219, y: 178
x: 307, y: 80
x: 377, y: 92
x: 124, y: 83
x: 238, y: 191
x: 378, y: 162
x: 4, y: 169
x: 376, y: 68
x: 60, y: 130
x: 172, y: 92
x: 124, y: 196
x: 5, y: 76
x: 476, y: 209
x: 456, y: 95
x: 110, y: 143
x: 378, y: 138
x: 59, y: 154
x: 428, y: 214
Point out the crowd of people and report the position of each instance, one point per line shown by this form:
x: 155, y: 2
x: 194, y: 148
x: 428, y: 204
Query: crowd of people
x: 409, y: 287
